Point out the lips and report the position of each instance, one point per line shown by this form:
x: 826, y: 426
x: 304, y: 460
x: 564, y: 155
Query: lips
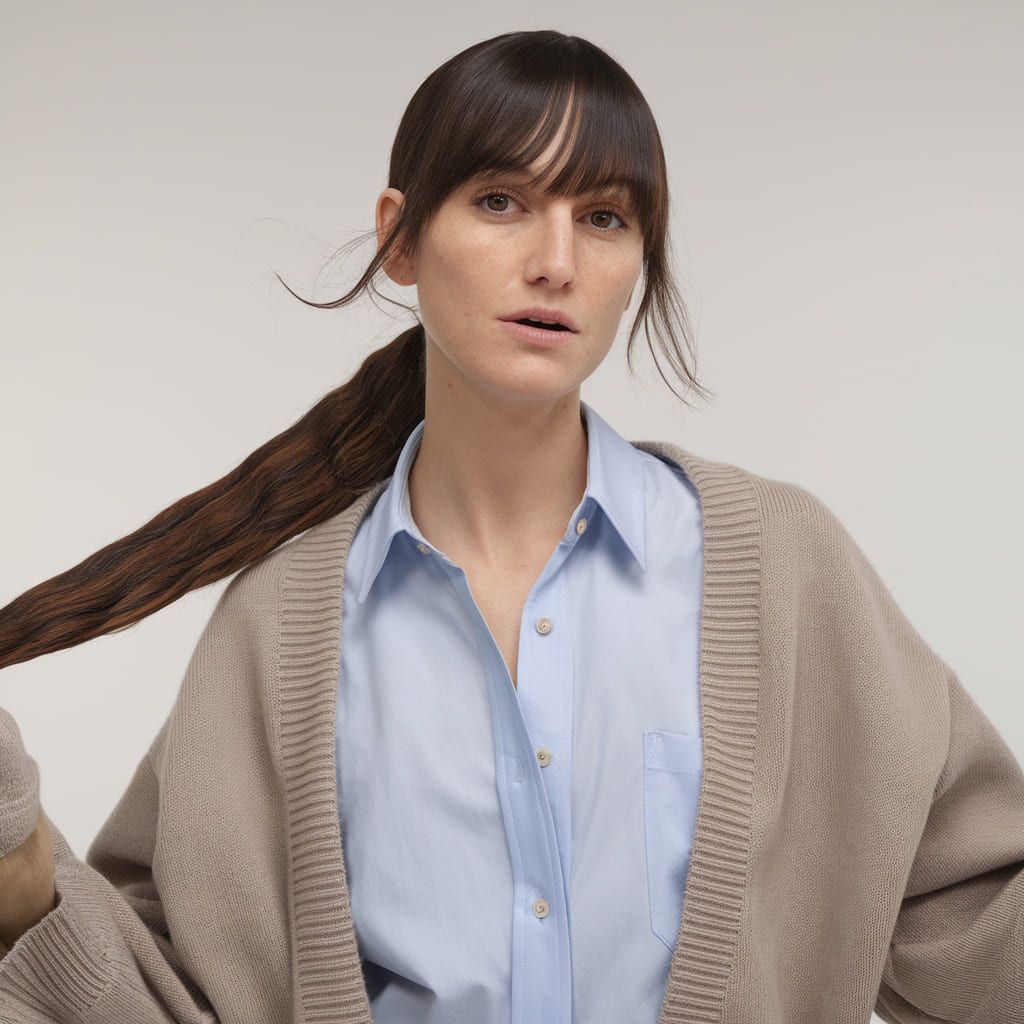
x: 542, y: 319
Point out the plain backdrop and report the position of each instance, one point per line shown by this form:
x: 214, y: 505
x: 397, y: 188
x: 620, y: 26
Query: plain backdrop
x: 848, y: 218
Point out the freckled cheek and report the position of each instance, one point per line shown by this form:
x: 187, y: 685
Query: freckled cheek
x: 616, y: 270
x: 475, y: 283
x: 458, y: 260
x: 618, y: 287
x: 456, y: 293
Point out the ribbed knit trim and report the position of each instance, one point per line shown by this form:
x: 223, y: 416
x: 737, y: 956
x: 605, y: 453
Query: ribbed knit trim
x: 729, y: 683
x: 329, y: 983
x: 328, y: 978
x: 53, y: 966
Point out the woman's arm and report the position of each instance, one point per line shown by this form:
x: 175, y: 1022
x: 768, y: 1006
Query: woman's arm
x: 27, y: 887
x: 74, y: 947
x: 957, y: 951
x: 26, y: 850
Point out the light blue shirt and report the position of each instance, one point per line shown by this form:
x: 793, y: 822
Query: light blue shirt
x: 522, y: 855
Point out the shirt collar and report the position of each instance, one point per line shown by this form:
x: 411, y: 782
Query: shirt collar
x: 615, y: 481
x: 391, y: 515
x: 615, y: 484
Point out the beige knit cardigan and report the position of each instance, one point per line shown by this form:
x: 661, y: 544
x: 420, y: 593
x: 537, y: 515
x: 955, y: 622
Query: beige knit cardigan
x: 860, y: 839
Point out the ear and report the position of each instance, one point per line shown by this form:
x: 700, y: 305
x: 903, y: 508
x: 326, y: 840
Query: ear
x: 398, y: 266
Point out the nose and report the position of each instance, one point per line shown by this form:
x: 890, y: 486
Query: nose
x: 552, y: 255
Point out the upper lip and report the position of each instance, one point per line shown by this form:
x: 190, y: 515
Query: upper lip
x: 548, y: 316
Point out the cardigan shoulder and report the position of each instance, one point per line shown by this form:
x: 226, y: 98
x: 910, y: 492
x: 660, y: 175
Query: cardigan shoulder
x: 795, y: 529
x: 277, y: 618
x: 814, y: 587
x: 304, y: 565
x: 787, y: 505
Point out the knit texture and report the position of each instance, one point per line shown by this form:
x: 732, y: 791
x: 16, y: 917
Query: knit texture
x: 860, y: 838
x: 19, y: 787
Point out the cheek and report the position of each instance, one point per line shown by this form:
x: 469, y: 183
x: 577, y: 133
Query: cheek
x: 621, y: 282
x: 455, y: 272
x: 452, y: 288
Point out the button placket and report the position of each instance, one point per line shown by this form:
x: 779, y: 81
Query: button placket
x: 543, y: 692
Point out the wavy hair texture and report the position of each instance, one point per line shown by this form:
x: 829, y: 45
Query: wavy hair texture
x: 496, y: 107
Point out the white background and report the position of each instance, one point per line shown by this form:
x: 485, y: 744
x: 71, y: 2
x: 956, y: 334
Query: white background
x: 848, y: 221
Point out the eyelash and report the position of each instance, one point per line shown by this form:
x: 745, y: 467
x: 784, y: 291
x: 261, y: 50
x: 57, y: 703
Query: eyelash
x: 509, y: 194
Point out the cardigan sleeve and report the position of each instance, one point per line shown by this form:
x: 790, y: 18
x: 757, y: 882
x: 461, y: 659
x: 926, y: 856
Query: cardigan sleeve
x: 957, y: 951
x: 932, y: 812
x: 188, y: 908
x: 102, y: 955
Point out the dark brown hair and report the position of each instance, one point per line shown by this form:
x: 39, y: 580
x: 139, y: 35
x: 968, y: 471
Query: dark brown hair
x: 495, y: 107
x: 498, y: 107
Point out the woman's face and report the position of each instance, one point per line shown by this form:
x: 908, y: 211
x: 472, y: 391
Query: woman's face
x: 521, y: 292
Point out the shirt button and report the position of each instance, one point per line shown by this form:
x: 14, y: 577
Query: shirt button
x: 423, y: 548
x: 543, y: 625
x: 543, y: 757
x: 541, y: 908
x: 581, y: 525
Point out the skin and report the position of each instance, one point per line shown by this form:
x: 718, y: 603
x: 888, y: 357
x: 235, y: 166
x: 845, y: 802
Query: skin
x: 503, y: 460
x: 27, y: 892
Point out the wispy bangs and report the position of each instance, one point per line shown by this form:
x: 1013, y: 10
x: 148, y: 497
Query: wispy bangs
x: 505, y: 115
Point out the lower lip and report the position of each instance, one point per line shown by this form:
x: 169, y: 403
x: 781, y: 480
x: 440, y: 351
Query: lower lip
x: 538, y: 335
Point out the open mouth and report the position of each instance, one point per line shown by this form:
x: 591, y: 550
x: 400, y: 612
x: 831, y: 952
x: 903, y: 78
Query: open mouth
x: 540, y: 324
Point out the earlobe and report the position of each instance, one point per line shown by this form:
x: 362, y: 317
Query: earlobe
x: 399, y: 266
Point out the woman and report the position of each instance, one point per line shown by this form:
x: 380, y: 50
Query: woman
x: 546, y: 727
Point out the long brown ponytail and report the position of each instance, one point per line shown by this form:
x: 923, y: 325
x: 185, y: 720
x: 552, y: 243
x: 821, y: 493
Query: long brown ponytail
x: 495, y: 107
x: 347, y: 442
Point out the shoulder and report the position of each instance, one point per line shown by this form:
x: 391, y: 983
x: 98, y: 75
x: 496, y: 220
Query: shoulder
x: 281, y: 611
x: 780, y: 512
x: 824, y: 616
x: 307, y: 571
x: 802, y: 556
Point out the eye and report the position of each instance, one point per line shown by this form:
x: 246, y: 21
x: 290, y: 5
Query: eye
x: 606, y: 220
x: 496, y: 202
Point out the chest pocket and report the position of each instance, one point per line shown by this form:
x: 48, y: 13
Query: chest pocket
x: 672, y: 775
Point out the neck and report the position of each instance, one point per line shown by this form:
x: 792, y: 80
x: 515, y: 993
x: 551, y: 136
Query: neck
x: 496, y: 478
